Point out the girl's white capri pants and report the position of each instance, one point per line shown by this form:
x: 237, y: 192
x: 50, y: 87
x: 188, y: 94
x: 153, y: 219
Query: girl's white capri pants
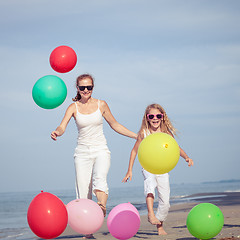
x: 91, y: 165
x: 161, y: 182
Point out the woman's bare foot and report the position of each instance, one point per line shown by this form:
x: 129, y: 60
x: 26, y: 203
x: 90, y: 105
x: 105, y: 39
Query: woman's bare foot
x: 160, y: 229
x: 89, y: 236
x: 153, y: 220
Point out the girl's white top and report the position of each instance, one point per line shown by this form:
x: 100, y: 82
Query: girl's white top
x: 146, y: 132
x: 90, y: 128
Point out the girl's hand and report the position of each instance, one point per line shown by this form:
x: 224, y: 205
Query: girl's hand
x: 54, y: 135
x: 189, y: 161
x: 128, y: 176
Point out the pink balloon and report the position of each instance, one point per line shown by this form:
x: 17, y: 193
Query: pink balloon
x: 84, y: 216
x: 123, y: 221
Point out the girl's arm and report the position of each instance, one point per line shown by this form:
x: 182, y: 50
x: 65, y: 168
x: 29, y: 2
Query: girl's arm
x: 132, y: 159
x: 185, y: 156
x: 117, y: 127
x: 62, y: 127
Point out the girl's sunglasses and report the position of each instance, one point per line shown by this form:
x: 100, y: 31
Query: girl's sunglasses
x: 158, y: 116
x: 82, y: 88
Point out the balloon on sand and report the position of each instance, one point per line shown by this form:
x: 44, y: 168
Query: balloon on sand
x: 47, y: 216
x: 84, y: 216
x: 205, y: 221
x: 123, y: 221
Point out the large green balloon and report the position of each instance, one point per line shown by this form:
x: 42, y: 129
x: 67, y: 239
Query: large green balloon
x: 49, y: 92
x: 205, y: 221
x: 158, y: 153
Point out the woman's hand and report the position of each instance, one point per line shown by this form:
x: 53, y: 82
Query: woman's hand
x: 189, y: 161
x: 61, y: 128
x: 128, y: 176
x: 54, y: 135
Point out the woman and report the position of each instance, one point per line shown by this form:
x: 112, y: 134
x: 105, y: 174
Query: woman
x: 92, y: 156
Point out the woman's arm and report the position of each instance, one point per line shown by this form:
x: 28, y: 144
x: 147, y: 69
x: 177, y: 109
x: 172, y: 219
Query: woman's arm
x: 62, y: 127
x: 117, y: 127
x: 132, y: 159
x: 185, y: 156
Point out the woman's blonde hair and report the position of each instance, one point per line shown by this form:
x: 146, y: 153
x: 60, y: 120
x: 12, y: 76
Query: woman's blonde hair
x: 165, y: 125
x: 79, y: 78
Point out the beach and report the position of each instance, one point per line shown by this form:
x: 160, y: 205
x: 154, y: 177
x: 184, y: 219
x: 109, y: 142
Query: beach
x: 175, y: 225
x: 224, y: 194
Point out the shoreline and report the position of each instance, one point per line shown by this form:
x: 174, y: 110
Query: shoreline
x: 175, y: 225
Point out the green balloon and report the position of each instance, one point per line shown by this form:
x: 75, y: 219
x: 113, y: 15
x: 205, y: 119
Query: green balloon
x: 49, y: 92
x: 205, y: 221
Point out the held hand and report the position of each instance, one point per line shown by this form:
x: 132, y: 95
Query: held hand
x: 128, y: 176
x: 189, y: 161
x: 54, y: 135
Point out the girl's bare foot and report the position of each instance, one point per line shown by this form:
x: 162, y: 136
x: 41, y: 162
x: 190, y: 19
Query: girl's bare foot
x: 160, y: 229
x: 153, y: 220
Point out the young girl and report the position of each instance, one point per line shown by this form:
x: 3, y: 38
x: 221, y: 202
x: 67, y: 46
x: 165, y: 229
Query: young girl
x: 155, y: 120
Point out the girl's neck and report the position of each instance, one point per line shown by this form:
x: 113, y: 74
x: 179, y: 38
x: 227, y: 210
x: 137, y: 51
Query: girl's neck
x: 155, y: 130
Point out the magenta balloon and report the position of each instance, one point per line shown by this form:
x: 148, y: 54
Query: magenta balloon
x: 123, y: 221
x: 84, y: 216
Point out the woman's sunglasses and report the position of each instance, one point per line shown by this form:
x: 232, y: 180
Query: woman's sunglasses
x: 82, y: 88
x: 158, y: 116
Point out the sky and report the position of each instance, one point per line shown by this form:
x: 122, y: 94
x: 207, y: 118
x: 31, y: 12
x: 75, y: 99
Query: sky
x: 182, y: 54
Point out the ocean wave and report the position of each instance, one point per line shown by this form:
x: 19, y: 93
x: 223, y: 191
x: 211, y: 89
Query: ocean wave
x: 15, y: 236
x: 179, y: 196
x: 238, y: 190
x: 9, y: 233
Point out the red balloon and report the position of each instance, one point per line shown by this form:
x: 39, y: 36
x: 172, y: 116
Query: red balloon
x: 63, y: 59
x: 47, y: 216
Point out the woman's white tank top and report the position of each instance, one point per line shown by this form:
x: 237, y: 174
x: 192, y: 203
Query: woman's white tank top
x: 90, y: 128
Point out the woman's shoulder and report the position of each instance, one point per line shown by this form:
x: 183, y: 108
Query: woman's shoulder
x: 102, y: 103
x: 103, y: 106
x: 72, y: 106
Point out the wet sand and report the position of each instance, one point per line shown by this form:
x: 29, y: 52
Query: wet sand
x: 175, y: 225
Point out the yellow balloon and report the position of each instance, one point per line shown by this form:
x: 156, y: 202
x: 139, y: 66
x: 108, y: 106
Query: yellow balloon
x: 158, y: 153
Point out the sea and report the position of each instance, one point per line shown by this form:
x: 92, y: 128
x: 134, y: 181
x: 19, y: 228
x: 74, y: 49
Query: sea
x: 14, y: 205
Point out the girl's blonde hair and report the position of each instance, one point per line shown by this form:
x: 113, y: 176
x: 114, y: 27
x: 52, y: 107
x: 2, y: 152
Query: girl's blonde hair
x: 165, y: 125
x: 79, y: 78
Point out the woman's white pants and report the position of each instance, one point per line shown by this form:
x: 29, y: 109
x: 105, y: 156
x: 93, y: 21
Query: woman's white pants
x: 91, y: 166
x: 161, y: 183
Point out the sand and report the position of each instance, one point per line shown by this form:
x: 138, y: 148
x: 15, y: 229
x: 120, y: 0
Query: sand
x: 175, y: 225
